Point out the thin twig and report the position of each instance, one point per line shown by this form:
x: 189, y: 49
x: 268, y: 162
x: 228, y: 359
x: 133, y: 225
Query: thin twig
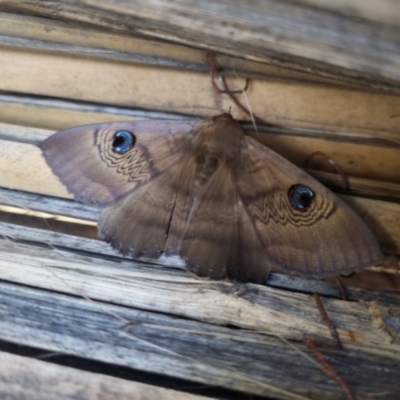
x: 332, y: 371
x: 340, y: 286
x: 231, y: 93
x: 327, y: 320
x: 345, y: 181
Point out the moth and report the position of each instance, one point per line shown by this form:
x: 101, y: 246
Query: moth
x: 211, y: 197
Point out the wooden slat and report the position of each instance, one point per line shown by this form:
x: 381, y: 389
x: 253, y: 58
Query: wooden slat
x: 191, y: 93
x: 140, y: 284
x: 60, y: 114
x: 55, y: 114
x: 383, y: 11
x: 282, y: 33
x: 17, y: 171
x: 359, y: 186
x: 384, y: 219
x: 50, y: 205
x: 208, y: 351
x: 28, y: 32
x: 26, y: 378
x: 143, y: 86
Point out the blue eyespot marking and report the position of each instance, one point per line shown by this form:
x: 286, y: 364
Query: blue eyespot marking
x: 301, y: 197
x: 123, y: 141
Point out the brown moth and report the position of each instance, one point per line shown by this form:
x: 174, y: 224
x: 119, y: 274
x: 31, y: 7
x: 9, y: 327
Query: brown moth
x: 209, y: 196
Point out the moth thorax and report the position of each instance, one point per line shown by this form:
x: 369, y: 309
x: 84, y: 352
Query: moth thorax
x: 222, y: 146
x: 220, y: 137
x: 206, y: 166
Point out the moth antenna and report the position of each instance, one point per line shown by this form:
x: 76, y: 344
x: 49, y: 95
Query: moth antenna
x: 231, y: 93
x: 216, y: 69
x: 246, y: 98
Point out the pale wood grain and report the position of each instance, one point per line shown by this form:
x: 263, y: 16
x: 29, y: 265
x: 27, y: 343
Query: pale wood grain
x: 191, y: 92
x: 282, y: 33
x: 23, y: 168
x: 235, y: 345
x: 23, y: 377
x: 28, y: 32
x: 155, y: 343
x: 359, y: 186
x: 384, y: 219
x: 384, y: 11
x: 56, y: 114
x: 150, y: 286
x: 45, y: 204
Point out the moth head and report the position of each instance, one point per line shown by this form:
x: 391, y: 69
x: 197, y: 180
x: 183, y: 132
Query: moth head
x: 221, y: 137
x: 123, y: 141
x: 301, y: 197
